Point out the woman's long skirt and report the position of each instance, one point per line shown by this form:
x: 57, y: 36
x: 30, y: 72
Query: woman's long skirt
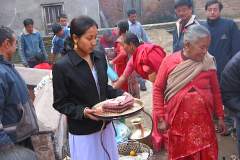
x: 88, y: 147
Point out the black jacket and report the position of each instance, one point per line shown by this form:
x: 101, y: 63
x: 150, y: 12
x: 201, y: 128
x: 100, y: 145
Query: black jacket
x: 74, y: 89
x: 230, y: 84
x: 225, y: 38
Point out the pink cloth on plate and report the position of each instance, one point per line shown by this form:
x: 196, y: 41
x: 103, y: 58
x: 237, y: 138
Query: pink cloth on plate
x: 119, y: 104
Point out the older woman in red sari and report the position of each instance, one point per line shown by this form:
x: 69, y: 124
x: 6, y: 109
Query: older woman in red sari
x: 145, y: 59
x: 187, y: 91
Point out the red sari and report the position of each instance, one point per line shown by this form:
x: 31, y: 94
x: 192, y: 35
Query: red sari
x: 189, y: 113
x: 120, y: 61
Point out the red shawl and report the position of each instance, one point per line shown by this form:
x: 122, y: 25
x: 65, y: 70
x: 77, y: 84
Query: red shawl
x: 147, y: 59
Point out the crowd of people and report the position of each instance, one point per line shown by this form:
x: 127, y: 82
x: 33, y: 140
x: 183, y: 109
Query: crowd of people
x: 192, y: 86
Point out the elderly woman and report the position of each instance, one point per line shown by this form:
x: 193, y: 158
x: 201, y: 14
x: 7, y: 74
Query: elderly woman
x: 187, y: 91
x: 145, y: 59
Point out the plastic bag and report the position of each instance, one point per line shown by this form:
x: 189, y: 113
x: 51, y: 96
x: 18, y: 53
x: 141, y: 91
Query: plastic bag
x: 122, y: 131
x: 112, y: 75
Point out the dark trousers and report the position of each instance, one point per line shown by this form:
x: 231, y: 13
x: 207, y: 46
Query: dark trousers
x: 140, y: 80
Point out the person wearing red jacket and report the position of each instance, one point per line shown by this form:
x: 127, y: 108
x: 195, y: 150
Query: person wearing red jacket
x: 107, y: 39
x: 43, y: 64
x: 145, y: 60
x: 186, y: 94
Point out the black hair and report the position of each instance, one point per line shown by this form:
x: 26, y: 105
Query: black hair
x: 27, y: 22
x: 132, y: 38
x: 40, y: 58
x: 62, y: 15
x: 78, y: 26
x: 5, y: 33
x: 178, y: 3
x: 56, y: 28
x: 210, y: 2
x: 68, y: 46
x: 131, y: 11
x: 123, y: 26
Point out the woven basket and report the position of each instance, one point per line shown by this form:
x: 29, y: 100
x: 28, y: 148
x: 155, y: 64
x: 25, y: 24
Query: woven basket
x: 126, y: 147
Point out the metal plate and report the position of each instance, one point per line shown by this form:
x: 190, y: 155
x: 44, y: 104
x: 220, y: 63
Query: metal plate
x: 137, y: 107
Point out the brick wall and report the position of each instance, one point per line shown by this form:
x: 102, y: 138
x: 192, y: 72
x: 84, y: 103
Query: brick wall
x: 112, y: 9
x: 155, y: 11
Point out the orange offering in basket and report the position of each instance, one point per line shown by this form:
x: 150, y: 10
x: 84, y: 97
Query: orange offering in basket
x: 133, y: 153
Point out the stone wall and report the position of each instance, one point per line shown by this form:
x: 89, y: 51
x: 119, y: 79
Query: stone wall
x: 112, y: 10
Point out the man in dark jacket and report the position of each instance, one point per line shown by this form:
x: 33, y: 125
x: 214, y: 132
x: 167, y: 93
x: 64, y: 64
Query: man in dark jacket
x: 225, y: 38
x: 230, y: 85
x: 184, y: 10
x: 224, y: 34
x: 15, y: 105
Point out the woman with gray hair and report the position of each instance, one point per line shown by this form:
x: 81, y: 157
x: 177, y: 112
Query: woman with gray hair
x: 185, y: 96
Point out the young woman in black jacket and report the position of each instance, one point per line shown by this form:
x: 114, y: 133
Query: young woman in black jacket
x: 79, y: 82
